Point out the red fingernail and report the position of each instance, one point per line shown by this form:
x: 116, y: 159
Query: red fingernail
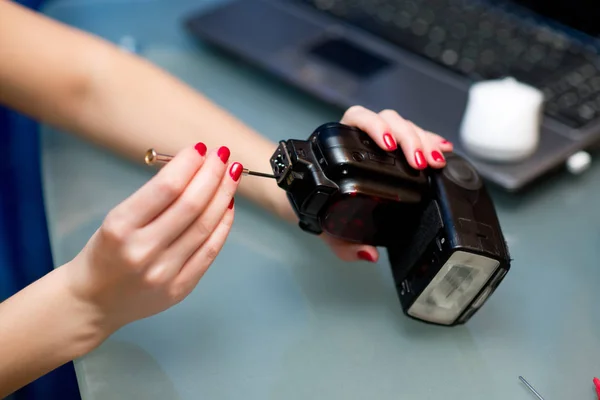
x: 446, y: 142
x: 420, y: 159
x: 437, y: 156
x: 235, y: 171
x: 231, y: 204
x: 366, y: 256
x: 223, y: 154
x: 389, y: 141
x: 200, y: 148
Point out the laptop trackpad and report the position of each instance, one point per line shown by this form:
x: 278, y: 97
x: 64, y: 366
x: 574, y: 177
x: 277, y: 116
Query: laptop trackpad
x: 342, y: 66
x: 348, y: 71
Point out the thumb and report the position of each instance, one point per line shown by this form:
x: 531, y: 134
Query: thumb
x: 347, y: 251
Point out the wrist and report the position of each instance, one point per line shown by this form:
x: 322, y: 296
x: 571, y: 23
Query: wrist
x: 84, y: 327
x: 43, y: 327
x: 282, y: 206
x: 95, y: 325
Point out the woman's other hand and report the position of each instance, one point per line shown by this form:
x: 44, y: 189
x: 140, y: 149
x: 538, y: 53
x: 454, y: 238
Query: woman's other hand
x: 390, y: 131
x: 153, y: 248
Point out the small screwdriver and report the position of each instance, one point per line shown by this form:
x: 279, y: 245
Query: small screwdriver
x: 152, y: 157
x: 539, y: 396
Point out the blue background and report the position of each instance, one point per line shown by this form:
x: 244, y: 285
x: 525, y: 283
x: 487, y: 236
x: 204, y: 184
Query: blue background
x: 25, y: 254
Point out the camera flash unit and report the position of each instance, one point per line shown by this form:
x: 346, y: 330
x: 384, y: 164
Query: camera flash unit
x: 457, y: 255
x: 446, y: 249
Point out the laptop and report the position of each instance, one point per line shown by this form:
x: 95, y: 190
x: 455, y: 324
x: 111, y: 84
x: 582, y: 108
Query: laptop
x: 419, y: 57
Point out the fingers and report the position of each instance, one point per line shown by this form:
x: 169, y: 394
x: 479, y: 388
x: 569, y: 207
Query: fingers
x: 431, y: 148
x: 162, y: 190
x: 371, y: 123
x: 444, y: 144
x: 191, y: 204
x: 196, y: 266
x: 351, y: 252
x: 389, y: 130
x: 405, y: 133
x: 434, y: 143
x: 203, y: 227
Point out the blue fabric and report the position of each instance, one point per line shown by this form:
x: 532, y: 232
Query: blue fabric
x: 25, y: 253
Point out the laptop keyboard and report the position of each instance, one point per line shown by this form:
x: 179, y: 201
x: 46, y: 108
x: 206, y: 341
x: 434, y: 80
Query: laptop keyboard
x: 481, y: 43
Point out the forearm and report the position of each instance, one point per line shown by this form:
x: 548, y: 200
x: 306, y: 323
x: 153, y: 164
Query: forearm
x: 85, y: 85
x: 41, y: 328
x: 153, y: 109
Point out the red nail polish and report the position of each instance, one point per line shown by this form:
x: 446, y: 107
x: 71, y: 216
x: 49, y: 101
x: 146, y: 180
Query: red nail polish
x: 235, y: 171
x: 389, y: 141
x: 231, y: 204
x: 200, y: 148
x: 446, y: 142
x: 223, y: 154
x: 420, y: 159
x: 366, y: 256
x: 437, y: 156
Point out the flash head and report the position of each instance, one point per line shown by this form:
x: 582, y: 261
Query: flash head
x: 446, y: 249
x: 457, y: 255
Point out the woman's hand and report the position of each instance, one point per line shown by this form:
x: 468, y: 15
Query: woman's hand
x: 390, y: 131
x: 148, y: 255
x: 154, y: 247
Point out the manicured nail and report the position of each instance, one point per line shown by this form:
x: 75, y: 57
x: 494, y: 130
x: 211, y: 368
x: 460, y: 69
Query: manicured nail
x: 223, y: 154
x: 446, y: 142
x: 389, y: 141
x: 200, y: 148
x: 235, y: 171
x: 366, y: 256
x: 231, y: 204
x: 420, y: 159
x: 437, y: 156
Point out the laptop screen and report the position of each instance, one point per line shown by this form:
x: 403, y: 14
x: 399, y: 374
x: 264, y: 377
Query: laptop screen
x: 581, y: 15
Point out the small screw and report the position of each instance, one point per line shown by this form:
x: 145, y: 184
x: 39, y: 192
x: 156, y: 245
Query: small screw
x: 152, y: 157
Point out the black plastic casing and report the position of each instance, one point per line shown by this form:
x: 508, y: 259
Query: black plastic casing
x: 459, y: 215
x: 341, y: 182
